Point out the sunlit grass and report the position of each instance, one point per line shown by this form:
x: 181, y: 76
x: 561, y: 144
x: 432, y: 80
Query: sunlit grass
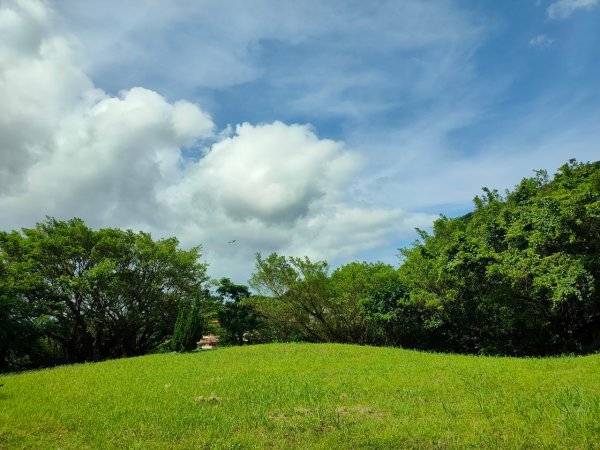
x: 306, y: 396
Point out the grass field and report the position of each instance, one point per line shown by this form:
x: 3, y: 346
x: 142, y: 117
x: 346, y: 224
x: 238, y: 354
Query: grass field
x: 306, y: 396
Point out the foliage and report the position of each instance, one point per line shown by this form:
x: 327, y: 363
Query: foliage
x: 188, y: 327
x: 325, y: 396
x: 355, y: 288
x: 294, y: 296
x: 520, y: 274
x: 103, y: 293
x: 305, y: 301
x: 238, y: 318
x: 19, y: 333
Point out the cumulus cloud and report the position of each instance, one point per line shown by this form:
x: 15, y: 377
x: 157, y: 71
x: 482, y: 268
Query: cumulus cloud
x: 562, y: 9
x: 110, y: 156
x: 70, y: 149
x: 38, y: 85
x: 67, y: 147
x: 277, y: 187
x: 271, y: 172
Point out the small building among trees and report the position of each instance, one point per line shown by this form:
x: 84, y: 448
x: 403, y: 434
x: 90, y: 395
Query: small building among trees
x: 208, y: 342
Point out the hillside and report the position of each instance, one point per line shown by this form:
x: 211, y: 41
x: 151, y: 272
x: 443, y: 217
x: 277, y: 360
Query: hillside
x: 305, y: 396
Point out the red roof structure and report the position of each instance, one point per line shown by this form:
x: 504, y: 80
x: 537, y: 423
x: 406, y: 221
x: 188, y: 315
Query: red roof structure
x: 209, y: 341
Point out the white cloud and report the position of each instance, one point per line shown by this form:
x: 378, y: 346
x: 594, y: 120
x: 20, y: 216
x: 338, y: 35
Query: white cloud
x: 269, y: 172
x: 38, y: 85
x: 278, y: 187
x: 541, y: 41
x: 562, y: 9
x: 70, y: 149
x: 108, y: 158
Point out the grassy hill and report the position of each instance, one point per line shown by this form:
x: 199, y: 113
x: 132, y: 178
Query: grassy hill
x: 305, y: 396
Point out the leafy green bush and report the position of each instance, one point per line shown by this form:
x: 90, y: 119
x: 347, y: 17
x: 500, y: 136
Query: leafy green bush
x: 520, y: 274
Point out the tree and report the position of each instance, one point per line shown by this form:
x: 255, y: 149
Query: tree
x: 105, y: 293
x: 520, y: 274
x: 353, y: 287
x: 19, y: 334
x: 294, y: 295
x: 304, y: 301
x: 238, y: 318
x: 188, y: 327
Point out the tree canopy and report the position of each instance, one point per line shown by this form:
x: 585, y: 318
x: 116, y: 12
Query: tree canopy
x: 518, y: 276
x: 95, y: 294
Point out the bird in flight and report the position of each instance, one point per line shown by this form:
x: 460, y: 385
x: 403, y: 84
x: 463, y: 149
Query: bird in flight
x: 232, y: 241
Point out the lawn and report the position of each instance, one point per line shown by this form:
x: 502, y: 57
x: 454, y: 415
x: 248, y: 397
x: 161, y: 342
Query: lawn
x: 306, y: 396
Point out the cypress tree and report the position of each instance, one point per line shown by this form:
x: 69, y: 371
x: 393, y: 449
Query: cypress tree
x: 179, y: 330
x: 188, y: 328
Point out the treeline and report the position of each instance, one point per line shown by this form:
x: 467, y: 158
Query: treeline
x: 517, y: 276
x: 72, y: 294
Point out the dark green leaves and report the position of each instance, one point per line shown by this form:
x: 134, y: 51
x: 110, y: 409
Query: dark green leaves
x: 104, y: 293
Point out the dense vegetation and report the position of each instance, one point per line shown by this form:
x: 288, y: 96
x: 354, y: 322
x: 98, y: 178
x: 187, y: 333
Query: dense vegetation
x: 70, y: 294
x: 306, y: 396
x: 518, y: 276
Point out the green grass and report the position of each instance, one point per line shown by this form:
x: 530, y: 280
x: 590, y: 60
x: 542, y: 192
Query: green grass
x: 306, y: 396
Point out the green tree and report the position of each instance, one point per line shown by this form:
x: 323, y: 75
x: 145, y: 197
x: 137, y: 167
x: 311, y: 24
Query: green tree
x: 19, y: 334
x: 294, y: 294
x: 518, y: 275
x: 237, y: 317
x: 104, y: 293
x: 304, y: 301
x: 352, y: 288
x: 188, y: 327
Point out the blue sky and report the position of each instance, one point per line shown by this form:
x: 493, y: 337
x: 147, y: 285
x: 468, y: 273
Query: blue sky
x: 327, y: 128
x: 338, y: 76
